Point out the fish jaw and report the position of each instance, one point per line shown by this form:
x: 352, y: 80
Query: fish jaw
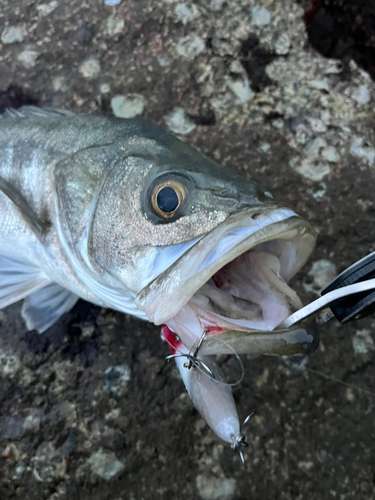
x: 176, y: 297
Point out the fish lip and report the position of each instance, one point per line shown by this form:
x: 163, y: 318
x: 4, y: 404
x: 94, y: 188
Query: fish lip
x: 167, y: 294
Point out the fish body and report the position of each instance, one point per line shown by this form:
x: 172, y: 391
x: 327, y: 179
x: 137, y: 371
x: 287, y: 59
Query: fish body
x: 125, y: 215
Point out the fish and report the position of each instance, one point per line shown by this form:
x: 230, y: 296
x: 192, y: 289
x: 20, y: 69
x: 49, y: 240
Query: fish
x: 123, y: 214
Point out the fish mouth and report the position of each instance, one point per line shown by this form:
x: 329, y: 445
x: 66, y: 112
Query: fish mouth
x: 234, y: 278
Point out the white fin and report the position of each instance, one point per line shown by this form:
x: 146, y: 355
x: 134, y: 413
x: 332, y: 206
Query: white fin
x: 43, y: 308
x: 18, y: 279
x: 35, y: 112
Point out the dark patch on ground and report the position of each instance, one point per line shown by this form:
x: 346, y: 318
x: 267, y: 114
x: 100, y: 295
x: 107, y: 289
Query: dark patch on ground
x: 254, y: 59
x: 205, y: 118
x: 68, y: 331
x: 15, y: 97
x: 343, y: 29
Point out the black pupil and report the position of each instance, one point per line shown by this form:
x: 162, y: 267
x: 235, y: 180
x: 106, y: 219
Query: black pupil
x: 167, y: 200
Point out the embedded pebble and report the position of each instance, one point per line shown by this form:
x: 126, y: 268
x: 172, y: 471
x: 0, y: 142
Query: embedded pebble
x: 112, y: 2
x: 20, y: 469
x: 260, y: 16
x: 262, y: 380
x: 13, y: 34
x: 221, y: 104
x: 116, y: 379
x: 190, y: 46
x: 49, y: 466
x: 32, y: 423
x: 28, y: 57
x: 349, y: 394
x: 215, y: 488
x: 104, y: 88
x: 46, y: 8
x: 278, y: 123
x: 320, y: 192
x: 312, y: 170
x: 317, y: 125
x: 241, y: 89
x: 12, y: 452
x: 296, y: 363
x: 114, y: 26
x: 105, y: 464
x: 68, y: 412
x: 359, y: 150
x: 90, y: 68
x: 185, y: 12
x: 87, y: 331
x: 321, y: 274
x: 319, y: 85
x: 112, y: 415
x: 313, y: 148
x: 9, y: 364
x: 326, y: 117
x: 128, y: 106
x: 363, y: 342
x: 237, y: 68
x: 306, y: 466
x: 216, y: 5
x: 330, y: 154
x: 59, y: 84
x: 222, y: 46
x: 179, y: 122
x: 282, y: 45
x: 361, y: 95
x: 164, y: 62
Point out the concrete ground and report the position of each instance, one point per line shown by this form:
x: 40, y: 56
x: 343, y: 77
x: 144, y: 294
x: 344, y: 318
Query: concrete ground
x: 91, y: 409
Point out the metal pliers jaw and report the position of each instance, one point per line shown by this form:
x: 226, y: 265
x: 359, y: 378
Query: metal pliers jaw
x: 350, y: 296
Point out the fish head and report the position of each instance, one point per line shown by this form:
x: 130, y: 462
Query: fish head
x: 199, y: 247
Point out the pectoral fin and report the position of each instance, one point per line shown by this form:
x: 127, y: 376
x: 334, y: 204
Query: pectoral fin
x: 18, y: 279
x: 43, y: 308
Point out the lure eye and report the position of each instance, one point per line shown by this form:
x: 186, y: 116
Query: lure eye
x: 167, y: 197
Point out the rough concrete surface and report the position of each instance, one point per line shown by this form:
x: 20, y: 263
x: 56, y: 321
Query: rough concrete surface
x: 91, y: 409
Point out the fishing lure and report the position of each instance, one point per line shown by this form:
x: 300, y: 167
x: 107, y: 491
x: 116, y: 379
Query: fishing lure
x: 209, y: 391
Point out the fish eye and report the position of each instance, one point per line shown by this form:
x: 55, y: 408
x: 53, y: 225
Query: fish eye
x: 167, y: 197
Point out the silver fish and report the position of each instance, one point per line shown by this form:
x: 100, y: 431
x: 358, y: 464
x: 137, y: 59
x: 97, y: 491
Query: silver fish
x: 125, y: 215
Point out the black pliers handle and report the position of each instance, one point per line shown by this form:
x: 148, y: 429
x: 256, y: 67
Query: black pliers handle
x: 350, y: 296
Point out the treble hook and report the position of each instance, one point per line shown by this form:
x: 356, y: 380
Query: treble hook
x: 239, y: 440
x: 193, y: 360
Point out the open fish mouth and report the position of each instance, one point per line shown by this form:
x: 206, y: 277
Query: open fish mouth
x: 234, y: 278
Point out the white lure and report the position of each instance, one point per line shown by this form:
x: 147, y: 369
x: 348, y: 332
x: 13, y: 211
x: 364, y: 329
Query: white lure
x: 209, y: 391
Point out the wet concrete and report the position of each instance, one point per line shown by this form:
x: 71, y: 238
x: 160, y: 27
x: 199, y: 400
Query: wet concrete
x: 91, y: 409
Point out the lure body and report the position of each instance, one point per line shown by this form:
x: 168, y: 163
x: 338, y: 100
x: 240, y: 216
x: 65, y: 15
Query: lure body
x: 211, y: 395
